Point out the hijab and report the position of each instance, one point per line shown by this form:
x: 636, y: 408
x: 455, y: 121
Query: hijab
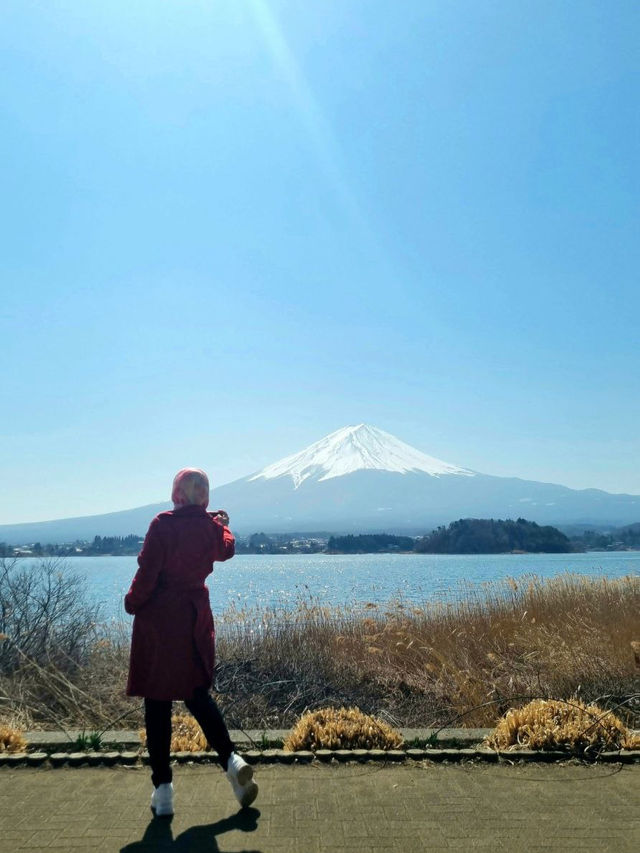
x: 190, y: 487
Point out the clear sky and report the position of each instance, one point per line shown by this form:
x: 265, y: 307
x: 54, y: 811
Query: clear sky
x: 230, y: 227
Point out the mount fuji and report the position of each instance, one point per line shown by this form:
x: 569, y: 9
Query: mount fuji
x: 351, y: 449
x: 361, y: 479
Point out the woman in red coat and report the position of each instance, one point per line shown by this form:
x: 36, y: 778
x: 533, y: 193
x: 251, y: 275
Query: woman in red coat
x: 173, y: 641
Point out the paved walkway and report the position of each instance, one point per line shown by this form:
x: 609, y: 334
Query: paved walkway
x: 337, y: 808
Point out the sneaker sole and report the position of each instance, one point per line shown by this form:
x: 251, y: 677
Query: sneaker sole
x: 245, y: 774
x: 163, y: 811
x: 249, y: 794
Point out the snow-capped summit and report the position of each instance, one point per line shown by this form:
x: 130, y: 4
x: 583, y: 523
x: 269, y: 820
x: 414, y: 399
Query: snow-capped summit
x: 356, y: 448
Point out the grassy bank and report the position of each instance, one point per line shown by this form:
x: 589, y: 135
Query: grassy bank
x: 428, y: 665
x: 432, y: 664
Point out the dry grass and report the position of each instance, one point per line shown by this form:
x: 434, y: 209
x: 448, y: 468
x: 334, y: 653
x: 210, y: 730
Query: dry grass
x: 572, y: 726
x: 341, y: 728
x: 11, y: 740
x: 436, y: 664
x: 459, y: 664
x: 186, y: 735
x: 59, y: 693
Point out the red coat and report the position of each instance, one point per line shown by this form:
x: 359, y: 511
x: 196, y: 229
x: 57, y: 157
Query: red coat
x: 173, y: 642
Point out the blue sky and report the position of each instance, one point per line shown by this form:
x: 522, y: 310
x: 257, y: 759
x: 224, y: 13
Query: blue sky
x: 231, y: 227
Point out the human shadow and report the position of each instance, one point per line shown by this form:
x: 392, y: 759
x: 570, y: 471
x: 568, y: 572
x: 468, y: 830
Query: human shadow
x: 197, y: 839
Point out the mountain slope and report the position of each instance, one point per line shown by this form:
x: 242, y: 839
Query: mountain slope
x: 366, y: 501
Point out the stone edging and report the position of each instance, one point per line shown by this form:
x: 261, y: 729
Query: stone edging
x: 52, y: 741
x: 280, y: 756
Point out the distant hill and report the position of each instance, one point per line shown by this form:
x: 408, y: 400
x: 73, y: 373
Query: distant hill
x: 491, y: 536
x: 85, y: 528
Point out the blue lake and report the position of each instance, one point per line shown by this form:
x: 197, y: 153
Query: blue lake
x: 247, y: 580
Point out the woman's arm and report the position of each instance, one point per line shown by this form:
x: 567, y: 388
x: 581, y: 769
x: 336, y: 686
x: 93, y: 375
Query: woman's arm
x: 150, y: 562
x: 226, y: 541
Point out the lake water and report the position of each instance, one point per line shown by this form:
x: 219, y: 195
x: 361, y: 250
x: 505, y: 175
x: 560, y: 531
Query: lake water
x: 250, y: 580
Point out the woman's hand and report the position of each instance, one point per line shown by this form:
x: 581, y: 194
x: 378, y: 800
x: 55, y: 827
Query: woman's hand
x: 222, y: 516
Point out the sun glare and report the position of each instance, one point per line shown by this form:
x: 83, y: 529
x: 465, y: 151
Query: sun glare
x: 320, y: 132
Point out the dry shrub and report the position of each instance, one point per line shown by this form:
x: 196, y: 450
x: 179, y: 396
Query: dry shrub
x: 11, y: 740
x: 341, y: 728
x: 44, y: 615
x: 571, y: 726
x: 59, y: 665
x: 186, y: 735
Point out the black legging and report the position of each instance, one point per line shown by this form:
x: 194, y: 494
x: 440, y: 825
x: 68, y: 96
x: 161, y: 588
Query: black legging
x: 157, y: 718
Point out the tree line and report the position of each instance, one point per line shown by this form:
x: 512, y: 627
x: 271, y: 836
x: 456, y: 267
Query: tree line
x: 120, y: 546
x: 370, y: 543
x: 465, y: 536
x: 619, y: 537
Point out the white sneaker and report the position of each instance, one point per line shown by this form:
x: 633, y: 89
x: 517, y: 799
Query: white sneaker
x: 245, y: 794
x: 162, y: 800
x: 238, y: 769
x: 240, y: 774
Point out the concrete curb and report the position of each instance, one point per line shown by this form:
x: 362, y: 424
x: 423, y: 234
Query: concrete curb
x: 122, y: 748
x: 325, y: 756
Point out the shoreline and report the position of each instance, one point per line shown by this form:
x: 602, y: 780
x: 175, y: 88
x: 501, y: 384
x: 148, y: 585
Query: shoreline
x: 302, y: 553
